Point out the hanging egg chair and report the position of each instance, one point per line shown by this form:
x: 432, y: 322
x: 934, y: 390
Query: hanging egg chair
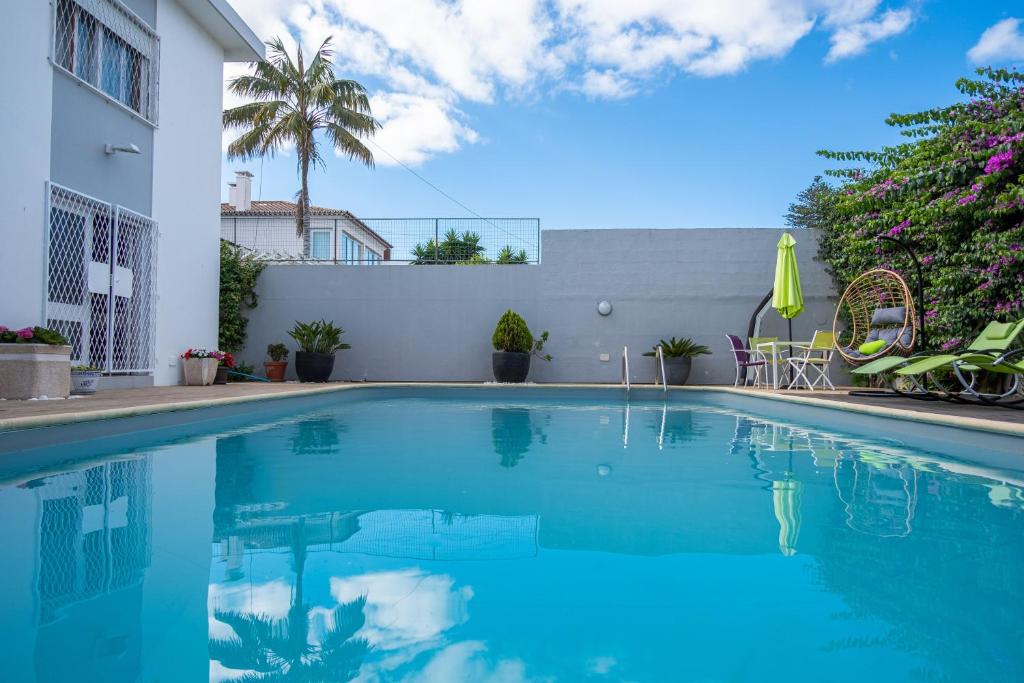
x: 875, y: 318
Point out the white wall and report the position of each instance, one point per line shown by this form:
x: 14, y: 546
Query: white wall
x: 186, y: 193
x: 25, y: 131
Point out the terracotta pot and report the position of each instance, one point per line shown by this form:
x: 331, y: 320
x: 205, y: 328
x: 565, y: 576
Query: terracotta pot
x: 34, y: 370
x: 200, y: 372
x: 275, y: 369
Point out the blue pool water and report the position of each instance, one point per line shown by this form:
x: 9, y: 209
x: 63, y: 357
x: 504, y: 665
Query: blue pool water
x: 521, y: 537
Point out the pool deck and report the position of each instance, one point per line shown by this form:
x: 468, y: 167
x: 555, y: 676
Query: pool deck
x: 128, y: 402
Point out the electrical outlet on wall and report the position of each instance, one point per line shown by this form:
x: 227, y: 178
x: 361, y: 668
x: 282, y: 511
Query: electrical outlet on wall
x: 172, y: 361
x: 604, y: 357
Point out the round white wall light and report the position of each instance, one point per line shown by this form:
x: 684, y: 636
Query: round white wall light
x: 604, y: 308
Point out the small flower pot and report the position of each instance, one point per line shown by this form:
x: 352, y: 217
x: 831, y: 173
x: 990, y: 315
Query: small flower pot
x: 314, y: 367
x: 200, y: 372
x: 677, y: 370
x: 510, y: 366
x: 84, y: 382
x: 222, y: 375
x: 275, y: 369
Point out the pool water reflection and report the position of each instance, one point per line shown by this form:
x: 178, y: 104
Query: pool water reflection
x: 466, y: 540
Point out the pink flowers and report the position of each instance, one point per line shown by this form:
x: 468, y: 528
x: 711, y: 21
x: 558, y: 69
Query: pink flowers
x: 927, y: 259
x: 949, y: 344
x: 967, y: 199
x: 25, y: 333
x: 897, y: 229
x: 998, y: 162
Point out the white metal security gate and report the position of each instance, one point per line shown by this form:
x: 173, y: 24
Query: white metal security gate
x: 101, y: 281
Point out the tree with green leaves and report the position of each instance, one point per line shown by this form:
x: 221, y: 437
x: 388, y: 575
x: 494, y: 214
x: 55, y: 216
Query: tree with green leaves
x: 292, y: 104
x: 954, y: 191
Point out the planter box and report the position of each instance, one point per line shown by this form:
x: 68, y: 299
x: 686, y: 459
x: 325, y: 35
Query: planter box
x: 35, y: 370
x: 200, y: 372
x: 85, y: 382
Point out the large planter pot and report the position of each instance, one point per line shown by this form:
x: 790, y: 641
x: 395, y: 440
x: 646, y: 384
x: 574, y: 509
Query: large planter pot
x: 314, y: 367
x: 85, y: 382
x: 275, y: 369
x: 200, y: 372
x: 35, y: 370
x: 222, y: 375
x: 677, y: 370
x: 510, y: 366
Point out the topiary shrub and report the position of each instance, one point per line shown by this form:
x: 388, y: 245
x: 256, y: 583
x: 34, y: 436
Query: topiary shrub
x: 512, y: 335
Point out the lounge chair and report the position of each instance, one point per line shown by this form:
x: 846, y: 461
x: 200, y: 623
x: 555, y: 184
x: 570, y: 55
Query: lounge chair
x: 989, y: 352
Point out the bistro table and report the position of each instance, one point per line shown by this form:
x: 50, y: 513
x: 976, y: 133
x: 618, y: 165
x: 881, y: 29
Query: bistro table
x: 773, y: 354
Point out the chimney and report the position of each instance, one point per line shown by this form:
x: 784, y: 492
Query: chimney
x: 240, y: 191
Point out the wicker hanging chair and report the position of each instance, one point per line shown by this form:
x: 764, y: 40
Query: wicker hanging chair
x: 876, y: 306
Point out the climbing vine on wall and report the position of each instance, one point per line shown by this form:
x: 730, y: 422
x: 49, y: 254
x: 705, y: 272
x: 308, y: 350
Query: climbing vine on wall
x: 239, y: 271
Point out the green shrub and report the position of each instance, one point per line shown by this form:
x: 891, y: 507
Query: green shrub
x: 32, y: 335
x: 239, y: 271
x: 512, y: 335
x: 680, y: 348
x: 277, y: 352
x: 319, y: 336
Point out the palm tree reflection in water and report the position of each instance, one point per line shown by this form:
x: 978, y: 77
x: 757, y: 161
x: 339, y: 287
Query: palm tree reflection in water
x: 271, y: 649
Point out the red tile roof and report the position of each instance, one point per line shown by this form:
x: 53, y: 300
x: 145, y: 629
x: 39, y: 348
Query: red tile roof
x: 277, y: 208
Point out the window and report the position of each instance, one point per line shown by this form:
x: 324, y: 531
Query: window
x: 372, y: 257
x: 320, y: 244
x: 105, y: 45
x: 350, y: 249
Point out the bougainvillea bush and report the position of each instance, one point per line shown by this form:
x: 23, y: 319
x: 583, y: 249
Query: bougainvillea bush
x: 954, y: 191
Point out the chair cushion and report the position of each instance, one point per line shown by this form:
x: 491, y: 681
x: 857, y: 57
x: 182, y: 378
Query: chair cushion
x: 868, y: 348
x: 999, y: 330
x: 894, y: 315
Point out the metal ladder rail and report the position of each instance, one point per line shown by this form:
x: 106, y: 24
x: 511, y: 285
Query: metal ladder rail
x: 659, y: 364
x: 625, y: 367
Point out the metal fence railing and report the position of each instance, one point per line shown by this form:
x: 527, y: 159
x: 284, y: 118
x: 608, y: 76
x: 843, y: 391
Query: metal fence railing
x: 385, y: 241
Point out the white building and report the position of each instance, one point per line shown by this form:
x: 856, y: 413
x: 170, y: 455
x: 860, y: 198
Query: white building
x: 268, y: 228
x: 112, y: 139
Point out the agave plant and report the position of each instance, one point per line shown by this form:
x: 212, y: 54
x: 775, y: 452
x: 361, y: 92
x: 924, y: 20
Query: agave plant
x: 319, y: 336
x: 679, y: 348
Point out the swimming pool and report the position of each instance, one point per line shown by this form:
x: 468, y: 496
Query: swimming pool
x: 512, y: 535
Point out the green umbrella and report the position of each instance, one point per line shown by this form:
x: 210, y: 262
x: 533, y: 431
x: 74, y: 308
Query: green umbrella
x: 787, y: 298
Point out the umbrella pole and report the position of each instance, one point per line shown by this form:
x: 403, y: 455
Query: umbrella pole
x: 789, y: 322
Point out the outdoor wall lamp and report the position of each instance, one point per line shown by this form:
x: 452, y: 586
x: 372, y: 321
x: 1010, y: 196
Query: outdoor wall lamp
x: 128, y: 149
x: 604, y: 308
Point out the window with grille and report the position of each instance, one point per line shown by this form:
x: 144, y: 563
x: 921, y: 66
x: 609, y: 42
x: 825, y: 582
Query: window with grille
x: 320, y: 244
x: 104, y: 44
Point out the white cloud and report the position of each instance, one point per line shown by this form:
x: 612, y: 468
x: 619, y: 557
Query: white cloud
x: 427, y: 57
x: 416, y: 127
x: 1002, y: 42
x: 853, y: 39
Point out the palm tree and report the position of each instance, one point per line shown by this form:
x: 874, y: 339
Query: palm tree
x: 291, y: 104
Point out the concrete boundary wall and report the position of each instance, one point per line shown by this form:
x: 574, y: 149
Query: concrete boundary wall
x: 434, y: 323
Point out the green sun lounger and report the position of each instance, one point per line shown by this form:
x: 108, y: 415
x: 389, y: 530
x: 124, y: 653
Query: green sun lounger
x: 987, y: 352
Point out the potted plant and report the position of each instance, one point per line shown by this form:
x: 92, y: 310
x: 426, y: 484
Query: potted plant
x: 318, y: 340
x: 84, y: 379
x: 513, y: 346
x: 278, y: 363
x: 225, y: 361
x: 679, y: 355
x: 34, y: 362
x: 200, y: 367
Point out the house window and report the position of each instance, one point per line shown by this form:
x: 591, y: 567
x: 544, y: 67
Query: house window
x: 320, y: 244
x: 350, y: 249
x: 103, y: 44
x: 372, y: 257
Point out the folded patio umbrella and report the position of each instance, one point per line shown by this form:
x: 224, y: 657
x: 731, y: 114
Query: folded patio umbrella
x: 787, y: 297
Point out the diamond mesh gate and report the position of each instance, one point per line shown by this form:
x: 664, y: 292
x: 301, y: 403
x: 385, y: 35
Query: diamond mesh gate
x: 100, y: 285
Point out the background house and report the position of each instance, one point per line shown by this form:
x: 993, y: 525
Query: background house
x: 268, y: 228
x: 114, y: 119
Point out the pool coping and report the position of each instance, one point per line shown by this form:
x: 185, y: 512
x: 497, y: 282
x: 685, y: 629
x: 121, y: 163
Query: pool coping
x: 961, y: 422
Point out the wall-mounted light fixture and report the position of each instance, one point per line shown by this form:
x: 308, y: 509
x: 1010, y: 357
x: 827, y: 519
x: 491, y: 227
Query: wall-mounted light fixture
x: 604, y: 308
x: 127, y: 149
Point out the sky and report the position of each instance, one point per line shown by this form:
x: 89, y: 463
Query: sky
x: 615, y: 114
